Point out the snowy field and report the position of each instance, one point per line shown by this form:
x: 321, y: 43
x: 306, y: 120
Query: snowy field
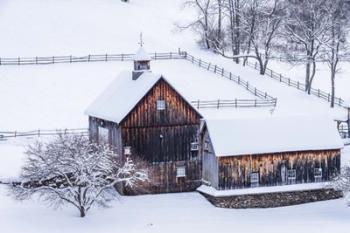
x: 183, y: 212
x: 55, y: 96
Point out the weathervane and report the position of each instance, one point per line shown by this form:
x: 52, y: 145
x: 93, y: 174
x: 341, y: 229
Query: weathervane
x: 141, y: 41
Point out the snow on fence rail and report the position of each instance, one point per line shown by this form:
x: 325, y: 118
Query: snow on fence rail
x: 87, y: 58
x: 236, y: 103
x: 41, y: 132
x: 229, y: 75
x: 299, y: 85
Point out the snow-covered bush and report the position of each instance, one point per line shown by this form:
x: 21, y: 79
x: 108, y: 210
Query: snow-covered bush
x: 342, y: 182
x: 72, y: 170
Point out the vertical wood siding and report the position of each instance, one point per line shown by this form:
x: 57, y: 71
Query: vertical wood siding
x: 234, y: 171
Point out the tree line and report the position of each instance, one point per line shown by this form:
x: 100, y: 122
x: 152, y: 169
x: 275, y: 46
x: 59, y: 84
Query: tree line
x: 258, y: 29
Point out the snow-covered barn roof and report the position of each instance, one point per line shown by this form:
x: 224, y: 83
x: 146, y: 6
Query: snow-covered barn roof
x: 233, y: 137
x: 191, y: 82
x: 121, y: 96
x: 141, y: 55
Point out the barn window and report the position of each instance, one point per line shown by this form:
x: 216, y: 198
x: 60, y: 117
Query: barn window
x: 194, y: 146
x: 127, y: 150
x: 206, y: 146
x: 160, y: 104
x: 181, y: 171
x: 318, y: 174
x: 292, y: 176
x: 254, y: 179
x: 103, y: 135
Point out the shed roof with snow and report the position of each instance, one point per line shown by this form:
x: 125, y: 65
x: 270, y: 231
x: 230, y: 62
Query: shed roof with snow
x: 233, y: 137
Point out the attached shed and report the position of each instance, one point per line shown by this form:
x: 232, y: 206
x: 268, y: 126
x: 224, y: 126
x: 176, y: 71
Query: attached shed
x: 269, y: 151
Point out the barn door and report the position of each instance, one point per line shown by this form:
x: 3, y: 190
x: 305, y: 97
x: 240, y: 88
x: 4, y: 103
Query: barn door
x: 283, y: 174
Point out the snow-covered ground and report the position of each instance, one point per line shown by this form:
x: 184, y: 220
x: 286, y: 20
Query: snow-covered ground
x: 55, y: 96
x: 182, y: 212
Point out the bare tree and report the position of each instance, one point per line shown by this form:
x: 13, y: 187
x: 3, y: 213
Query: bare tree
x: 337, y: 33
x: 305, y: 25
x: 262, y: 20
x: 72, y: 170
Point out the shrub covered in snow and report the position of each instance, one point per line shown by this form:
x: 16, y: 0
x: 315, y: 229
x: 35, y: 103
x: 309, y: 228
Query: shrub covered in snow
x: 72, y: 170
x: 342, y: 182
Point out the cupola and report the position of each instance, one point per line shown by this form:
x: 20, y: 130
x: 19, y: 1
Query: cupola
x: 142, y: 62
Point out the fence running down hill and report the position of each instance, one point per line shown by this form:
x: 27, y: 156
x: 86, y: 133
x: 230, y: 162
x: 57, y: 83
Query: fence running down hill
x: 40, y: 132
x: 298, y: 85
x: 177, y: 55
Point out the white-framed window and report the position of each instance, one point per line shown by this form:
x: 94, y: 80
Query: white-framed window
x: 318, y: 174
x: 206, y: 146
x: 292, y: 176
x: 127, y: 150
x: 160, y: 104
x: 254, y: 179
x: 103, y: 135
x: 181, y: 171
x: 194, y: 146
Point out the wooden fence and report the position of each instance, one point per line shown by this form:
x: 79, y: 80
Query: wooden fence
x: 236, y: 103
x: 298, y: 85
x: 229, y: 75
x: 87, y: 58
x: 40, y: 132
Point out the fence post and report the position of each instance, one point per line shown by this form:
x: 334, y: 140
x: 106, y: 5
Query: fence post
x: 271, y: 73
x: 89, y: 58
x: 171, y: 55
x: 298, y: 84
x: 247, y: 86
x: 70, y: 59
x: 53, y: 59
x: 230, y: 76
x: 255, y: 91
x: 318, y: 93
x: 222, y: 72
x: 122, y: 56
x: 36, y: 60
x: 106, y: 57
x: 280, y: 77
x: 192, y: 59
x: 218, y: 103
x: 239, y: 80
x: 255, y: 103
x: 198, y: 104
x: 215, y: 69
x: 288, y: 81
x: 235, y: 103
x: 209, y: 66
x: 200, y: 62
x: 38, y: 132
x: 19, y: 60
x: 328, y: 97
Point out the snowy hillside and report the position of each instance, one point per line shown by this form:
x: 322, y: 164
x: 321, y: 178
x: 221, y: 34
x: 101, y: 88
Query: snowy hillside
x: 39, y: 28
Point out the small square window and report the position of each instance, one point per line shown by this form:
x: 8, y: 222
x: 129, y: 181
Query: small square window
x: 127, y: 150
x: 181, y: 172
x: 318, y: 174
x: 292, y: 175
x: 206, y: 146
x: 160, y: 104
x: 254, y: 179
x: 194, y: 146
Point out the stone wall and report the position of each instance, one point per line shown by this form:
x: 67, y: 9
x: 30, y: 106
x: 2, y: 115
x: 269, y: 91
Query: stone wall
x: 278, y: 199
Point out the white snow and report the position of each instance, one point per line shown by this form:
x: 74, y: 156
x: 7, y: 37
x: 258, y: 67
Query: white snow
x: 142, y: 55
x: 121, y: 96
x: 191, y: 82
x: 258, y: 190
x: 244, y: 136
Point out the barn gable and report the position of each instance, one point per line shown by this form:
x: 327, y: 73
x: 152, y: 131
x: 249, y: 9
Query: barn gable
x: 165, y: 130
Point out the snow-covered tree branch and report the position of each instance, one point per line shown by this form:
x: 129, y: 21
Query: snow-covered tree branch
x: 72, y: 170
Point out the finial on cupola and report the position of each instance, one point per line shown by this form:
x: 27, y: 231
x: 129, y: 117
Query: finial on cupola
x: 142, y: 61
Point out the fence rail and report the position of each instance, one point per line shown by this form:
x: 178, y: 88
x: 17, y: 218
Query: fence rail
x: 229, y: 75
x: 87, y: 58
x: 40, y: 132
x: 236, y: 103
x: 298, y: 85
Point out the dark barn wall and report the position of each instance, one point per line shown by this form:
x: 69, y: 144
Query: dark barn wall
x: 161, y: 135
x: 163, y: 139
x: 114, y: 137
x: 234, y: 172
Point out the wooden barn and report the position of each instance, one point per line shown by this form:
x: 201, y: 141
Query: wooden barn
x: 154, y: 117
x: 269, y: 151
x: 142, y: 115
